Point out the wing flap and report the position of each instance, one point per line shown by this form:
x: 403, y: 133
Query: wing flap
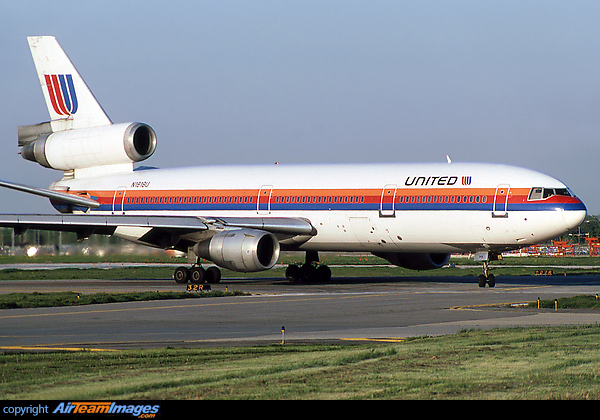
x: 275, y: 225
x: 72, y: 222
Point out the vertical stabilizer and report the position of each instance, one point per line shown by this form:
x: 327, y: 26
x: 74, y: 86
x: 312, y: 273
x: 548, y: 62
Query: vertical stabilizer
x: 70, y: 102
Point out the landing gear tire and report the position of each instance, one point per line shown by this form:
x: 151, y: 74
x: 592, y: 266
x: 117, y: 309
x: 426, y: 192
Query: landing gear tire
x: 308, y: 273
x: 197, y: 275
x: 213, y: 275
x: 323, y: 273
x: 181, y: 275
x: 482, y: 280
x: 293, y: 273
x: 490, y: 280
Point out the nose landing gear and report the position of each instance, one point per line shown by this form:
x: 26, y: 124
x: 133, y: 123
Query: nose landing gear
x: 486, y: 277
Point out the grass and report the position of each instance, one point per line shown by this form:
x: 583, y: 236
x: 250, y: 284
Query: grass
x: 362, y: 266
x: 516, y: 363
x: 36, y: 300
x: 574, y: 302
x: 128, y: 273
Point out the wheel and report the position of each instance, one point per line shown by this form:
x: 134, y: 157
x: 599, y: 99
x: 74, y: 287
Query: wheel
x: 491, y: 280
x: 309, y: 273
x: 293, y: 273
x: 482, y: 280
x: 181, y: 275
x: 323, y: 273
x: 197, y: 275
x: 213, y: 275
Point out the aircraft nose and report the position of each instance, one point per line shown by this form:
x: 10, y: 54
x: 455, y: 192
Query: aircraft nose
x: 576, y: 216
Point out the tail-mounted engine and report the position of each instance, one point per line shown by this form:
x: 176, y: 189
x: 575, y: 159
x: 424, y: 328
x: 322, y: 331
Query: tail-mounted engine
x: 87, y: 147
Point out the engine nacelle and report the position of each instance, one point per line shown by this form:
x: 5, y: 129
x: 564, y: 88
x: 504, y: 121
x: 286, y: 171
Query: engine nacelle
x: 416, y: 260
x: 242, y: 250
x: 88, y: 147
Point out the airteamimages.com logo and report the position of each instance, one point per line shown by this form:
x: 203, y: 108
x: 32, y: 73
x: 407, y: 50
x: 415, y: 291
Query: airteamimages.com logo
x: 142, y: 411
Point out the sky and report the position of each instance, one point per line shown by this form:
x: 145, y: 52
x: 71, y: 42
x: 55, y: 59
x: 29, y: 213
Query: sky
x: 264, y: 81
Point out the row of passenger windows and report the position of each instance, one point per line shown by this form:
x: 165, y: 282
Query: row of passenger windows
x: 303, y: 199
x: 188, y: 200
x: 319, y: 199
x: 443, y: 199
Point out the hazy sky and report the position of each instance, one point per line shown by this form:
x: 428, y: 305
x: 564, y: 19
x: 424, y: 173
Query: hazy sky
x: 514, y: 82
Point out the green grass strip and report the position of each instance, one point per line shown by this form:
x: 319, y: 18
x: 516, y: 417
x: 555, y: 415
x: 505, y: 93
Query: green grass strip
x: 574, y: 302
x: 515, y: 363
x: 36, y: 300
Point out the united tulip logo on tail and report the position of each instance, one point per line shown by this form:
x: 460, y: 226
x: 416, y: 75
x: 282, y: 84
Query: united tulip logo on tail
x: 62, y: 93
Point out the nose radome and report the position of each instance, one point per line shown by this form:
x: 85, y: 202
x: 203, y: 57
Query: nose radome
x: 574, y: 218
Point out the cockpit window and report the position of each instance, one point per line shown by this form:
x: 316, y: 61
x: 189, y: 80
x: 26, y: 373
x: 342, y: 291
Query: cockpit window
x: 562, y: 191
x: 538, y: 193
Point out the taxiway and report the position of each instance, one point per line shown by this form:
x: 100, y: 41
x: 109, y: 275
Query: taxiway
x: 346, y: 309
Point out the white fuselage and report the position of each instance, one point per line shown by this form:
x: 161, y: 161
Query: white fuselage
x: 443, y: 208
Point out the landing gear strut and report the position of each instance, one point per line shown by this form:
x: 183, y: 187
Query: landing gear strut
x: 197, y: 275
x: 310, y: 271
x: 486, y: 277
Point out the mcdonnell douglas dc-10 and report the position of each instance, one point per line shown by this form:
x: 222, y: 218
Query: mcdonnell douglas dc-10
x: 241, y: 217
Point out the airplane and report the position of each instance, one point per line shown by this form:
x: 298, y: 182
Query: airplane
x: 240, y: 217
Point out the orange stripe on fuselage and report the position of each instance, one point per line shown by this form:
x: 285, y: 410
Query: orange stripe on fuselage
x: 516, y: 195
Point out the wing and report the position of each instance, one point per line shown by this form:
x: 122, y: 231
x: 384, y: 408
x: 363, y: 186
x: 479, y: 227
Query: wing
x: 56, y: 196
x: 178, y: 232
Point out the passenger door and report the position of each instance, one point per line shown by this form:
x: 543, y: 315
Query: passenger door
x: 500, y: 208
x: 386, y: 205
x: 118, y: 200
x: 264, y: 199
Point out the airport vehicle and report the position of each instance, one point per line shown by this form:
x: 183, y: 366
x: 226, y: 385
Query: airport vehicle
x: 241, y: 217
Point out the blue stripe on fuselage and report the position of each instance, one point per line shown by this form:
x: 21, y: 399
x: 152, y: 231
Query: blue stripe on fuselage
x: 210, y: 207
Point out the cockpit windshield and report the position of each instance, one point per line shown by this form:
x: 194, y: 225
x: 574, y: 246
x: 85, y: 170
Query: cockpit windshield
x: 539, y: 193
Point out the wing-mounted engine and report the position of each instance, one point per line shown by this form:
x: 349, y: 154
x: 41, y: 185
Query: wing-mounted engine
x: 67, y: 150
x: 244, y: 250
x: 416, y: 260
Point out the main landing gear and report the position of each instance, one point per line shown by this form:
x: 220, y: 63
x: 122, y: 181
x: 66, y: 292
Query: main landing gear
x: 486, y: 277
x: 197, y: 275
x: 309, y: 272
